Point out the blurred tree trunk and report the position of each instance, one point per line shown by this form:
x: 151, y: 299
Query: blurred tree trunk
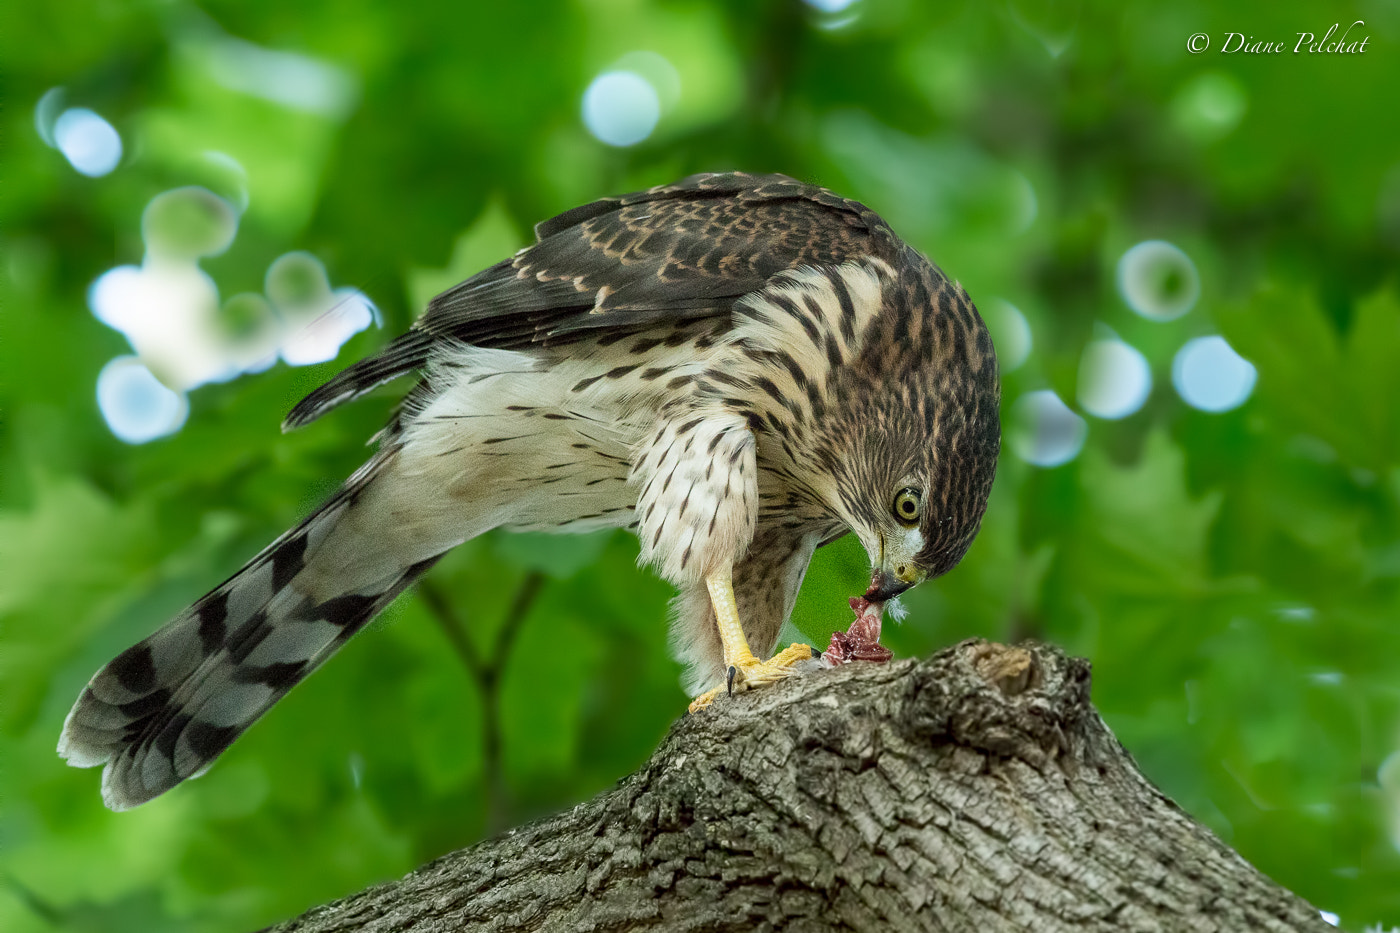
x: 975, y: 791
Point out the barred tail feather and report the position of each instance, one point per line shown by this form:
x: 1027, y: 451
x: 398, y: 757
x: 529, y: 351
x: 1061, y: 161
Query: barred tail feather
x: 402, y: 356
x: 166, y: 708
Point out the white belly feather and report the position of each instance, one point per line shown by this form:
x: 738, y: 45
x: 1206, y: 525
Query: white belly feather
x: 534, y: 442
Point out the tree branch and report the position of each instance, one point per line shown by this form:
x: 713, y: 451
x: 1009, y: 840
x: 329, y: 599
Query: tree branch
x: 975, y: 791
x: 440, y: 608
x: 487, y: 675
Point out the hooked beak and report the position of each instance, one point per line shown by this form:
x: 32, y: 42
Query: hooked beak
x: 886, y: 583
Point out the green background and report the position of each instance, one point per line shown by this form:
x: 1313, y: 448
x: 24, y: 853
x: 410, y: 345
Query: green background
x: 1235, y: 577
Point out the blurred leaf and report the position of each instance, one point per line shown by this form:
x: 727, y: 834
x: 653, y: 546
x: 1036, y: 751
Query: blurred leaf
x: 492, y: 237
x: 75, y: 556
x: 1147, y: 534
x: 1340, y: 390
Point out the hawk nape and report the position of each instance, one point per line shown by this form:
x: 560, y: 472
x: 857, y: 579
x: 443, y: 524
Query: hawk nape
x: 739, y: 368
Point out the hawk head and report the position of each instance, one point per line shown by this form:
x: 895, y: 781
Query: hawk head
x: 915, y: 462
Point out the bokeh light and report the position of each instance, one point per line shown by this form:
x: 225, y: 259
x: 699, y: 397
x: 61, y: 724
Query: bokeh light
x: 621, y: 108
x: 166, y: 310
x: 1158, y: 280
x: 296, y: 280
x: 89, y: 143
x: 135, y: 404
x: 1011, y: 333
x: 1210, y: 105
x: 1044, y: 431
x: 187, y: 223
x: 320, y: 338
x: 287, y: 78
x: 1114, y: 379
x: 1210, y: 375
x: 46, y: 113
x: 316, y: 320
x: 233, y: 178
x: 833, y: 14
x: 169, y: 310
x: 658, y: 71
x: 250, y: 330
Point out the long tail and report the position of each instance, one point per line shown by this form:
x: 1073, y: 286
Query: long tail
x: 164, y: 709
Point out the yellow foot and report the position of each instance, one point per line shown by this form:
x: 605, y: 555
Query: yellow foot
x: 750, y: 672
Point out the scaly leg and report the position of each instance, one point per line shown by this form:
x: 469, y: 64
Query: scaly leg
x: 745, y: 670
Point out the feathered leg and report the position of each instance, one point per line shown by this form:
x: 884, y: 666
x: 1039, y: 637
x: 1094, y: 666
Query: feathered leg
x: 743, y: 670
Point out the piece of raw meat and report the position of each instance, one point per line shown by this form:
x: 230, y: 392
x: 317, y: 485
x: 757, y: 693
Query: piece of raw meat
x: 860, y: 642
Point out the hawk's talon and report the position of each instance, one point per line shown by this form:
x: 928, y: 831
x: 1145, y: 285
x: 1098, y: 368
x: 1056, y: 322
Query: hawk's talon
x: 747, y: 673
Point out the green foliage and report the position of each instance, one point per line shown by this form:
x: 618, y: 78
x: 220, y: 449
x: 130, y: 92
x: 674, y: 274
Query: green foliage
x: 1234, y: 577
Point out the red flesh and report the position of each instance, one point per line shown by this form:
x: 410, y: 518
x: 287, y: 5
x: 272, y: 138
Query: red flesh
x: 860, y: 642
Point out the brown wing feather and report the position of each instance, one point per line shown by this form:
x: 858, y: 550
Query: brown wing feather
x: 685, y: 250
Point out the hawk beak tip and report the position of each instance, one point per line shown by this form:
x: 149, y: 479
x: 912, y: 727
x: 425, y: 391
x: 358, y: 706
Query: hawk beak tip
x: 886, y: 586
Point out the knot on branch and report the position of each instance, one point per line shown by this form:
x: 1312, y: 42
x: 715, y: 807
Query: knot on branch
x: 1028, y: 702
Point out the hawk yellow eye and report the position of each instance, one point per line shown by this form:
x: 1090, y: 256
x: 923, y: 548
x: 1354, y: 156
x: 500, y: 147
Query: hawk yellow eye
x: 906, y: 506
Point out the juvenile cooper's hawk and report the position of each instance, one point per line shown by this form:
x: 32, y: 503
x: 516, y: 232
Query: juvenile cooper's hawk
x: 739, y: 368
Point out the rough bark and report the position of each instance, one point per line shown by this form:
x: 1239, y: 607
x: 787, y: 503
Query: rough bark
x: 975, y: 791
